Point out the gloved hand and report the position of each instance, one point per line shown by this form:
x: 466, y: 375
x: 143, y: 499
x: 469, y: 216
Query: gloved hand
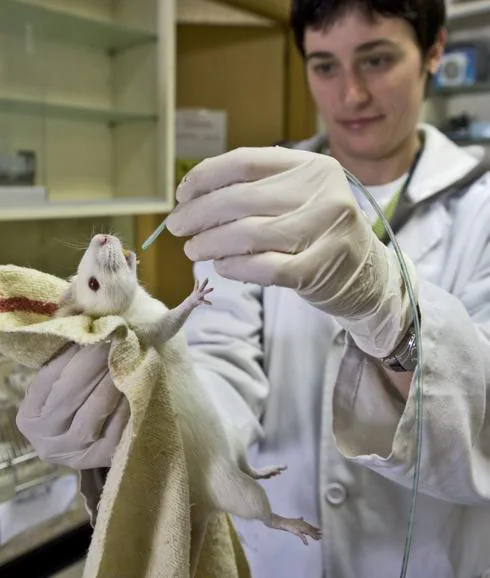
x: 276, y: 216
x: 72, y: 413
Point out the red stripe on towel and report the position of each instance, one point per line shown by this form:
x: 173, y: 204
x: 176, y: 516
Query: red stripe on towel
x: 27, y: 305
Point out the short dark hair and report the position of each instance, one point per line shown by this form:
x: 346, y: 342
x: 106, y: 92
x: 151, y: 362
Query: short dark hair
x: 427, y: 17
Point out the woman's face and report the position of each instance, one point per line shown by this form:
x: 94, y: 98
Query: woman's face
x: 368, y: 81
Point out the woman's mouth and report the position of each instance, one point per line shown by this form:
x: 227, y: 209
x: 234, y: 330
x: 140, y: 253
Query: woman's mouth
x: 359, y: 124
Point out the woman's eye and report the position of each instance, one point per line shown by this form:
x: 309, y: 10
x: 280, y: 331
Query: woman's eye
x: 324, y: 68
x: 378, y: 61
x: 93, y: 284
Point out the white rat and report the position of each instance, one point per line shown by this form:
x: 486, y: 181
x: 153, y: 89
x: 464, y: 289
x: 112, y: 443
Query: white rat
x: 220, y: 477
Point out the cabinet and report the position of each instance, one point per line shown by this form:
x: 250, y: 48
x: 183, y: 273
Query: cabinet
x: 88, y: 85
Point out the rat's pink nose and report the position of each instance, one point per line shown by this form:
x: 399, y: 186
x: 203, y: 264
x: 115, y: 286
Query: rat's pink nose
x: 102, y: 239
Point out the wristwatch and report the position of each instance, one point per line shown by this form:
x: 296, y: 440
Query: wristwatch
x: 404, y: 358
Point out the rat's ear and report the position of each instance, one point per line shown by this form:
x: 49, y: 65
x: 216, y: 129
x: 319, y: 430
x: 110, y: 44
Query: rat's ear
x: 67, y: 305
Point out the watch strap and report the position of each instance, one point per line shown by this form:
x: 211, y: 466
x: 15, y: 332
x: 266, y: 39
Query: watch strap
x: 404, y: 357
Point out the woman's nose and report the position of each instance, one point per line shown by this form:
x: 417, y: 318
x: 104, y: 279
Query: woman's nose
x: 355, y: 91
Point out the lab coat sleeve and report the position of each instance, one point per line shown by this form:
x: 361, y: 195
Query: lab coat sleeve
x: 225, y: 341
x: 377, y: 431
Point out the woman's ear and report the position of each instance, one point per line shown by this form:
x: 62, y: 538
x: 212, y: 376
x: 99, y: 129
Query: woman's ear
x: 436, y: 52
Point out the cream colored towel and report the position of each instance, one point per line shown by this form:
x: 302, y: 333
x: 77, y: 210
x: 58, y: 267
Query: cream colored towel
x: 142, y: 528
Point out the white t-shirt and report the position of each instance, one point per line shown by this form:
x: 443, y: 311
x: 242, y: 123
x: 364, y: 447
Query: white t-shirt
x: 382, y: 194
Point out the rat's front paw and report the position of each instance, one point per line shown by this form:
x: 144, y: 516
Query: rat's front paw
x: 198, y: 295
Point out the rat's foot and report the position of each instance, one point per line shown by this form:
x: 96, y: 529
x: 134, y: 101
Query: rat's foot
x: 296, y: 526
x: 198, y: 295
x: 267, y: 473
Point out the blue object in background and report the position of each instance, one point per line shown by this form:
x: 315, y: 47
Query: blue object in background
x: 464, y: 63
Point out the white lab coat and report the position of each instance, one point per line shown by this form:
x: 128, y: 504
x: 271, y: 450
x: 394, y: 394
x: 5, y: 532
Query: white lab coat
x: 302, y: 393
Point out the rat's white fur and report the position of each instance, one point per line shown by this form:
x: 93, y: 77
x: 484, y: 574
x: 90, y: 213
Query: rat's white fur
x: 220, y: 477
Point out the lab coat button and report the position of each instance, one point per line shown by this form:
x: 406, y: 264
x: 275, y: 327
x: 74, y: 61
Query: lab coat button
x: 336, y: 494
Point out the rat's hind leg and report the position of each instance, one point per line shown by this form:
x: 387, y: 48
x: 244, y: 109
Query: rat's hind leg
x: 296, y: 526
x: 240, y: 453
x: 239, y: 494
x: 259, y: 473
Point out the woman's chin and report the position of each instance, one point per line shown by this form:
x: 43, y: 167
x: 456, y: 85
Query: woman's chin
x: 365, y: 148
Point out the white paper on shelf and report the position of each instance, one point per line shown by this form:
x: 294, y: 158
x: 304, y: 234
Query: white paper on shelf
x: 200, y: 133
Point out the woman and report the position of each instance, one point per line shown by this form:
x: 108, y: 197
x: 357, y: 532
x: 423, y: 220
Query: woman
x: 313, y: 357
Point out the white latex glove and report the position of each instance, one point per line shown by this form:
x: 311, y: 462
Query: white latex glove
x: 72, y: 413
x: 276, y: 216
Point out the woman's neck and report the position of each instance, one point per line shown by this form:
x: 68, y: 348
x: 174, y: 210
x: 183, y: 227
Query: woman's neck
x: 380, y: 171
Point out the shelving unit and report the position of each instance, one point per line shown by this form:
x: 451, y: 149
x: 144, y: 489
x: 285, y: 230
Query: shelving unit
x: 89, y: 87
x: 61, y: 25
x: 466, y: 20
x: 460, y: 11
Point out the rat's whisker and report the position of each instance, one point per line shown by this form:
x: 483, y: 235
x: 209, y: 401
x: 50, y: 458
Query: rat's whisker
x: 76, y: 245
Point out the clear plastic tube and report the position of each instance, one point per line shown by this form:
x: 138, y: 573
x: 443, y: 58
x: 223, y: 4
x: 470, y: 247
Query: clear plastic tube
x: 418, y: 371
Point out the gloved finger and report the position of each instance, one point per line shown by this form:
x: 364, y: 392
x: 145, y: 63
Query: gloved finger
x: 237, y: 201
x: 99, y: 453
x: 264, y: 269
x: 249, y: 236
x: 41, y: 386
x: 240, y: 165
x: 66, y: 450
x: 79, y: 378
x: 89, y: 420
x: 74, y: 385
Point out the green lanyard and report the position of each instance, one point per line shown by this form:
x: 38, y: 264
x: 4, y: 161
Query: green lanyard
x: 388, y: 212
x: 390, y: 209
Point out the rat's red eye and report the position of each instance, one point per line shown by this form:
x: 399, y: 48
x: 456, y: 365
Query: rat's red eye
x: 93, y: 284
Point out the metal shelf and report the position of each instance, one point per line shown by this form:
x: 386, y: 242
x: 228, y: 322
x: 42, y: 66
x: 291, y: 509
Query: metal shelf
x: 459, y: 90
x: 57, y: 541
x: 468, y: 140
x: 117, y: 206
x: 463, y: 10
x: 74, y: 112
x: 15, y: 15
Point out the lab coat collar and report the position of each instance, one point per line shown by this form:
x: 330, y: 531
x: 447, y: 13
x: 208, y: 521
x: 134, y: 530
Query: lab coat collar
x: 442, y: 163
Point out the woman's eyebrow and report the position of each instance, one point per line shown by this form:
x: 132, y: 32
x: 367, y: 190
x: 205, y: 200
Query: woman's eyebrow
x: 365, y: 47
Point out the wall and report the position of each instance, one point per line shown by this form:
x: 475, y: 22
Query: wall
x: 236, y: 68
